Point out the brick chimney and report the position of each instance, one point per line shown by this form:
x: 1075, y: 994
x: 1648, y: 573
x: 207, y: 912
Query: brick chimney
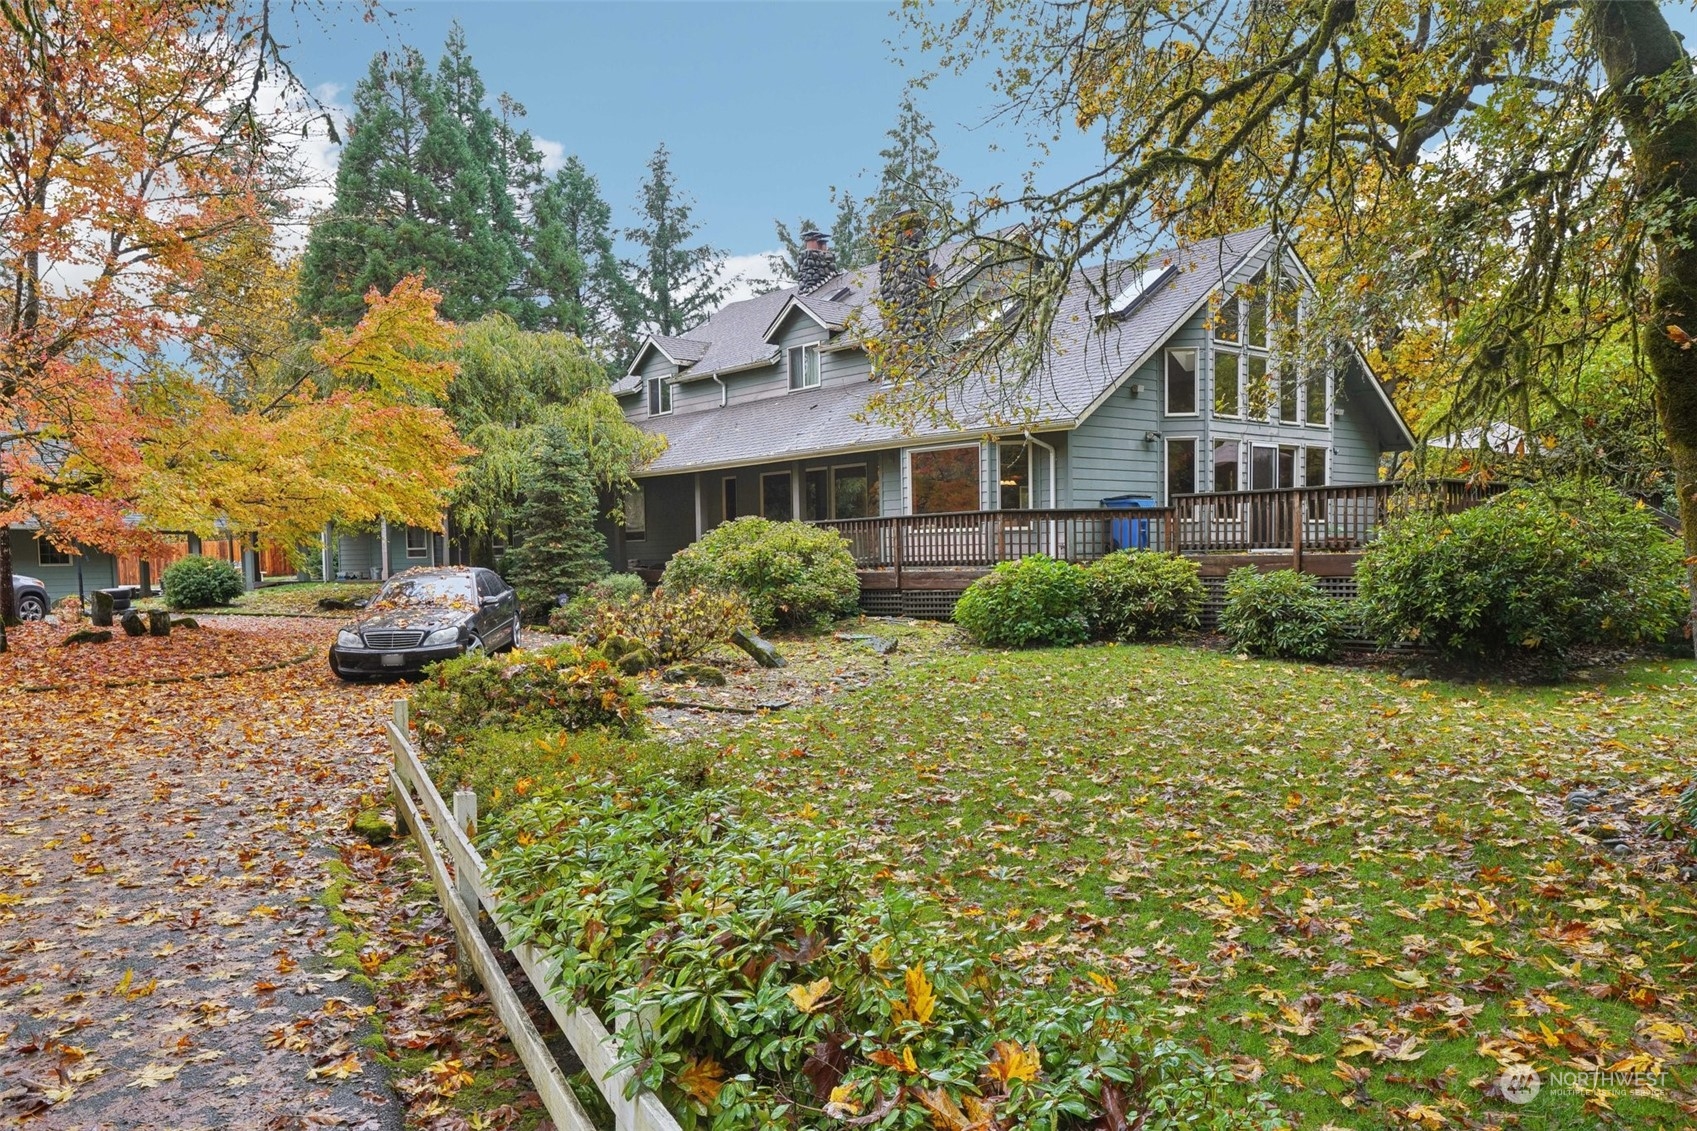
x: 816, y: 264
x: 906, y: 280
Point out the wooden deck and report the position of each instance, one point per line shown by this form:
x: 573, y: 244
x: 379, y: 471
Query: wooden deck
x: 1317, y: 530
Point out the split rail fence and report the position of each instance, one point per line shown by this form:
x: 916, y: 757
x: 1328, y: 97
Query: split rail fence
x: 443, y: 835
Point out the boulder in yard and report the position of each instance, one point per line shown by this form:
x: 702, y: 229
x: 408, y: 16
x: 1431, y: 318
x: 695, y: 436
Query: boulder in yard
x: 184, y: 622
x: 370, y: 825
x: 89, y: 636
x: 758, y: 647
x: 132, y: 623
x: 334, y: 604
x: 705, y: 674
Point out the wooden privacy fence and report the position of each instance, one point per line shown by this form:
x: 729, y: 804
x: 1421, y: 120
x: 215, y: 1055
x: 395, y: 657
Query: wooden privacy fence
x: 461, y: 881
x: 273, y: 562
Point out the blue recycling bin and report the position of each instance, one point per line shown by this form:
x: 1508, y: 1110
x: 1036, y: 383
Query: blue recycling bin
x: 1128, y: 533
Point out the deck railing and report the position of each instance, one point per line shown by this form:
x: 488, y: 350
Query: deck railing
x: 1297, y: 519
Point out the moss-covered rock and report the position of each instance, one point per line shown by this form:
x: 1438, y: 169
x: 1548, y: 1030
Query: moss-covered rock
x: 369, y: 824
x: 705, y: 674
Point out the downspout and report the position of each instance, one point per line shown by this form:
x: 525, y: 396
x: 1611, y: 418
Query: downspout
x: 1054, y: 487
x: 724, y: 393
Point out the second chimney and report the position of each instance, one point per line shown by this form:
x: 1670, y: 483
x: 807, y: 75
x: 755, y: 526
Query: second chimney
x: 816, y: 263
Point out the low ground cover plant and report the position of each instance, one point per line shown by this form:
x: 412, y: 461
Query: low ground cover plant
x: 1036, y: 600
x: 1533, y: 572
x: 614, y: 589
x: 792, y: 574
x: 563, y: 687
x: 768, y: 987
x: 1143, y: 595
x: 198, y: 582
x: 1281, y: 615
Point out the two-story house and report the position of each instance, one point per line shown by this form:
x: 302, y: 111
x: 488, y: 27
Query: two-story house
x: 1165, y: 383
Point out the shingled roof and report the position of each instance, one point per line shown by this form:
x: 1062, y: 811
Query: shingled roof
x: 1092, y: 353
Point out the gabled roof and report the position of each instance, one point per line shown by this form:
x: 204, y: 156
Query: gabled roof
x: 681, y: 352
x: 1093, y: 354
x: 832, y: 316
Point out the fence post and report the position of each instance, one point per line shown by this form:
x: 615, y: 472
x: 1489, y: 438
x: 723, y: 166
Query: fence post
x: 465, y: 816
x: 399, y: 717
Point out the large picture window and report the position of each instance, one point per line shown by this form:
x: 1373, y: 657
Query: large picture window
x: 1228, y: 384
x: 1181, y: 468
x: 804, y: 366
x: 944, y: 480
x: 775, y: 496
x: 1181, y: 382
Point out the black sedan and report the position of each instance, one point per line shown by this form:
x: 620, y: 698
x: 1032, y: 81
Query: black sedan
x: 425, y: 615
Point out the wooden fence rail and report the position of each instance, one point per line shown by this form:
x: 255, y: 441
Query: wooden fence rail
x: 461, y: 881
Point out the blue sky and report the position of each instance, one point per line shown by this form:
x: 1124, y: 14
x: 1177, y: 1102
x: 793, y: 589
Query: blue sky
x: 764, y: 106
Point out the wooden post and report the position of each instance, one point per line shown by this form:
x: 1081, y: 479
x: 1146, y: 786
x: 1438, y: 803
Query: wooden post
x: 1296, y: 530
x: 383, y: 553
x: 326, y: 552
x: 401, y: 721
x: 897, y: 550
x: 145, y: 577
x: 465, y: 816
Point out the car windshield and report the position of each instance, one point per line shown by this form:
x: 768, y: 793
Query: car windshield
x: 454, y: 591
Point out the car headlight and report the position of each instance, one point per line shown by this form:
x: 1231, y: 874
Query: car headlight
x: 443, y: 636
x: 347, y: 638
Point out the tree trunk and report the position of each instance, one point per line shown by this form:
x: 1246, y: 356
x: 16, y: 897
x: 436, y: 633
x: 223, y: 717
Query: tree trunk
x: 8, y: 592
x: 1651, y: 79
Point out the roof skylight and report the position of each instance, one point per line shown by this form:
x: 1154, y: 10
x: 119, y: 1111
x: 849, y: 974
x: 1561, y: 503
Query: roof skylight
x: 1146, y: 282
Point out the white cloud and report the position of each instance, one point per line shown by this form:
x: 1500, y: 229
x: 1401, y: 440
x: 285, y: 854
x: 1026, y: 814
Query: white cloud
x: 553, y: 153
x: 308, y: 150
x: 751, y: 274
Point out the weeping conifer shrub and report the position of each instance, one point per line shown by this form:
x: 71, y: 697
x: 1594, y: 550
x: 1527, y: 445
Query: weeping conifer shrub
x: 560, y: 552
x: 1532, y: 573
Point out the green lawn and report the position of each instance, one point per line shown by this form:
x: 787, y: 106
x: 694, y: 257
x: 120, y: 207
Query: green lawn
x: 1357, y: 888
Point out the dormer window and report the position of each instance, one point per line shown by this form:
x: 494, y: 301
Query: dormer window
x: 659, y: 396
x: 804, y: 366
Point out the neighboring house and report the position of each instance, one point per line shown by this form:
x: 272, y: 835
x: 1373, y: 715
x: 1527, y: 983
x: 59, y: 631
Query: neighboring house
x: 350, y: 554
x: 1172, y: 387
x: 64, y: 574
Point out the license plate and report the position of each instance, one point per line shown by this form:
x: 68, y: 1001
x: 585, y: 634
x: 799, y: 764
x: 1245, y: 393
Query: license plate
x: 393, y: 659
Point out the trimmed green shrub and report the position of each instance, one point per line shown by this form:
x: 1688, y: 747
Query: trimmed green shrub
x: 792, y: 574
x: 564, y: 687
x: 1282, y: 614
x: 198, y: 582
x: 670, y: 626
x: 1035, y: 600
x: 761, y: 975
x: 1144, y: 595
x: 1534, y: 571
x: 614, y: 589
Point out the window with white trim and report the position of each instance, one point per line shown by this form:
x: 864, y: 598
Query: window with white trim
x: 944, y: 480
x: 1314, y: 398
x: 418, y: 544
x: 804, y: 366
x: 1181, y: 382
x: 1181, y: 467
x: 659, y: 396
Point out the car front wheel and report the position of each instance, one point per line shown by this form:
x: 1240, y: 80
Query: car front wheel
x: 474, y: 647
x: 31, y: 607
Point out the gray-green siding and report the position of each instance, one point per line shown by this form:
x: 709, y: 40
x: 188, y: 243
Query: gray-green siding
x: 99, y: 569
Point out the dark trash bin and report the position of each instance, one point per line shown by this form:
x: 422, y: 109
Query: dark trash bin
x: 1128, y: 533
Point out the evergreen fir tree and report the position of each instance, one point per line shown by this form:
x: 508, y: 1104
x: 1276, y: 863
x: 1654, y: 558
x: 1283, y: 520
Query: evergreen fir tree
x: 912, y: 176
x: 561, y: 550
x: 423, y: 185
x: 573, y: 266
x: 678, y: 285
